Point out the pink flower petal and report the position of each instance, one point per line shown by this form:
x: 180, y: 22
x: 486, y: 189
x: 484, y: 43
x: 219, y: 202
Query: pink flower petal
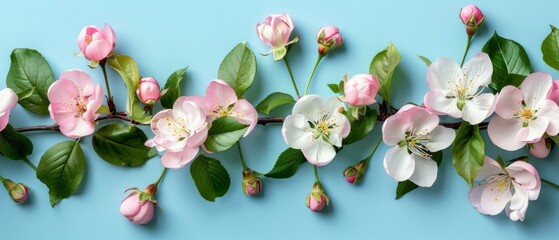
x: 81, y: 79
x: 245, y: 113
x: 526, y: 175
x: 130, y: 206
x: 534, y: 131
x: 490, y: 168
x: 535, y: 89
x: 219, y: 93
x: 399, y: 164
x: 504, y: 133
x: 145, y: 215
x: 179, y: 159
x: 98, y: 50
x: 495, y: 196
x: 510, y: 101
x: 395, y: 127
x: 110, y: 34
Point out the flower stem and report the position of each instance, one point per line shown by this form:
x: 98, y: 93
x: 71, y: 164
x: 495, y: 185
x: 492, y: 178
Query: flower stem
x: 466, y: 50
x: 241, y: 156
x: 316, y: 174
x: 320, y: 56
x: 555, y: 185
x: 368, y: 159
x: 30, y: 164
x: 110, y: 102
x: 160, y: 177
x: 2, y: 179
x: 292, y: 78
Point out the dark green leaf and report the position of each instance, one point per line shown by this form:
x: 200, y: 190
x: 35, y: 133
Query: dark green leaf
x: 550, y: 48
x: 122, y: 145
x: 128, y: 70
x: 407, y: 186
x: 29, y: 71
x: 287, y: 164
x: 238, y: 68
x: 14, y: 145
x: 62, y: 168
x: 334, y: 87
x: 383, y: 66
x: 210, y: 177
x: 224, y: 133
x: 508, y: 57
x: 425, y: 60
x: 274, y: 100
x: 360, y: 128
x: 173, y: 88
x: 468, y: 151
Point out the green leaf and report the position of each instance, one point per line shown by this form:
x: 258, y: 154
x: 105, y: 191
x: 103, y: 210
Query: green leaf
x: 62, y: 168
x: 555, y: 139
x: 287, y: 164
x: 274, y: 100
x: 334, y: 87
x: 550, y: 48
x: 360, y: 128
x: 104, y: 109
x: 122, y: 145
x: 173, y: 88
x: 468, y: 151
x: 238, y: 68
x: 14, y: 145
x: 29, y: 71
x: 383, y: 66
x: 128, y: 70
x: 508, y: 57
x: 224, y: 133
x: 407, y: 186
x: 425, y: 60
x: 210, y: 177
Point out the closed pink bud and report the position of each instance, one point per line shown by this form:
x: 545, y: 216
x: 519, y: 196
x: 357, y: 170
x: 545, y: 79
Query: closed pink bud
x: 252, y: 184
x: 553, y: 94
x: 353, y: 173
x: 361, y: 90
x: 472, y: 17
x: 138, y: 206
x: 19, y: 192
x: 275, y: 32
x: 148, y: 90
x: 328, y: 38
x: 541, y: 148
x: 95, y: 43
x: 317, y: 199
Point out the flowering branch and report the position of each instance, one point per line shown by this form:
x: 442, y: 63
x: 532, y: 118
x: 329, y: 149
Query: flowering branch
x: 54, y: 127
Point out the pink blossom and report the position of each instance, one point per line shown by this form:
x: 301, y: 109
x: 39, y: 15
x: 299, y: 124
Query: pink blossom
x: 361, y: 89
x: 148, y: 90
x: 472, y: 17
x: 524, y: 114
x: 510, y: 188
x: 328, y: 38
x: 74, y: 101
x: 275, y: 32
x: 180, y: 131
x: 96, y: 43
x: 8, y: 100
x: 136, y: 211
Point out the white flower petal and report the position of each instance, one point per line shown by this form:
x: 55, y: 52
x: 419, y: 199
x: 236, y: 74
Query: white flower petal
x: 534, y: 131
x: 535, y: 89
x: 395, y: 127
x: 399, y: 164
x: 478, y: 108
x: 550, y: 110
x: 495, y: 196
x: 297, y: 132
x: 504, y: 133
x: 312, y: 107
x: 526, y: 175
x: 422, y: 119
x: 425, y: 172
x: 475, y: 196
x: 319, y: 153
x: 516, y: 210
x: 490, y: 168
x: 441, y: 138
x: 510, y: 101
x: 442, y: 72
x: 477, y: 72
x: 438, y: 102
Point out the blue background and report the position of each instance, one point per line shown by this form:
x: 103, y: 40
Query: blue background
x: 173, y: 34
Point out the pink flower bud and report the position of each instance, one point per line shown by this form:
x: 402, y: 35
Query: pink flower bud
x: 19, y: 192
x: 361, y: 90
x: 275, y: 32
x: 148, y: 90
x: 472, y: 17
x: 353, y: 173
x: 95, y: 43
x: 138, y: 206
x: 252, y: 185
x: 553, y: 94
x: 317, y: 199
x: 541, y: 148
x: 328, y: 38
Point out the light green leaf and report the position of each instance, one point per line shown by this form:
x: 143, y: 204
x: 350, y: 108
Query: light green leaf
x: 224, y: 133
x: 550, y: 48
x: 210, y: 177
x: 383, y: 66
x: 407, y: 186
x: 274, y: 100
x: 29, y: 71
x: 468, y: 151
x: 425, y: 60
x: 128, y: 70
x: 508, y: 57
x: 104, y: 109
x: 172, y: 87
x: 62, y: 168
x: 287, y: 164
x: 238, y: 68
x: 122, y: 145
x: 14, y: 145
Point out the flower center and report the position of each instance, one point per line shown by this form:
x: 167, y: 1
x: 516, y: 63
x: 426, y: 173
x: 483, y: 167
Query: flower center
x: 526, y: 115
x: 178, y: 128
x: 222, y: 111
x: 88, y: 39
x: 81, y: 107
x: 461, y: 88
x: 501, y: 183
x: 323, y: 128
x: 418, y: 142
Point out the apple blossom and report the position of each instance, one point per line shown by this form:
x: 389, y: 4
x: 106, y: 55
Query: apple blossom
x: 415, y: 134
x: 148, y: 90
x: 74, y: 101
x: 275, y: 32
x: 221, y: 101
x: 8, y: 100
x: 472, y: 17
x: 510, y: 188
x: 458, y: 92
x: 317, y: 199
x: 19, y: 192
x: 95, y: 43
x: 328, y: 38
x: 316, y: 127
x: 180, y: 131
x: 361, y: 90
x: 138, y: 206
x: 524, y: 114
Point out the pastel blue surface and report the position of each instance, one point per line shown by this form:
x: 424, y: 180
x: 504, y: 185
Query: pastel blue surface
x: 169, y: 35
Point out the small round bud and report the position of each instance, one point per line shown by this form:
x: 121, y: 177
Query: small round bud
x: 148, y: 90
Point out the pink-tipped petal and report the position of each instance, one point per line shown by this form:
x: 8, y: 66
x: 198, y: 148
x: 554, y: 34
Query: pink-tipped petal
x: 245, y: 113
x: 504, y: 133
x: 219, y: 93
x: 179, y: 159
x: 490, y: 168
x: 98, y: 50
x: 535, y: 88
x: 510, y: 101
